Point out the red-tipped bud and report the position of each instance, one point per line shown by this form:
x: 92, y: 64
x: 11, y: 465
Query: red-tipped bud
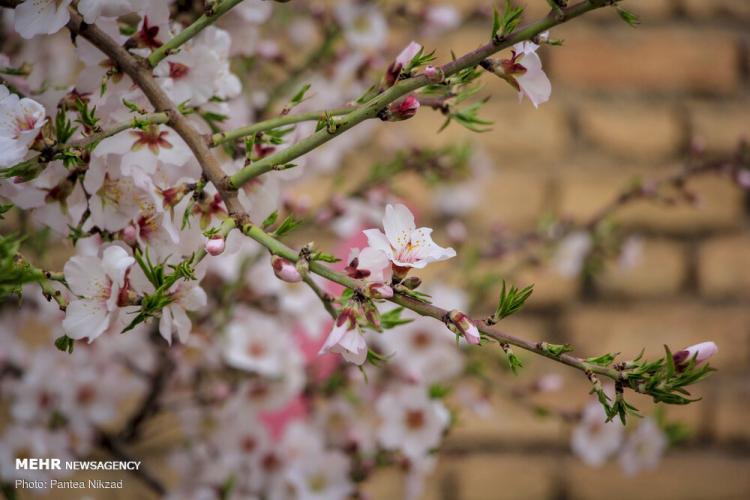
x: 701, y: 352
x: 461, y: 324
x: 285, y: 270
x: 403, y: 109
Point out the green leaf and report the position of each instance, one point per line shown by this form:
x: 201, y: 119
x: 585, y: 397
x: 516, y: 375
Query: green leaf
x: 603, y: 360
x: 300, y: 95
x: 505, y: 25
x: 64, y: 344
x: 393, y: 318
x: 4, y: 209
x: 511, y: 300
x: 631, y: 19
x: 287, y: 226
x: 270, y: 220
x: 324, y: 257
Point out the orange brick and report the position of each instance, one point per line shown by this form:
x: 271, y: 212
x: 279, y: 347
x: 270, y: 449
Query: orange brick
x: 724, y: 266
x: 628, y: 328
x: 729, y: 8
x: 584, y: 191
x: 663, y: 59
x: 496, y: 477
x: 682, y: 474
x: 720, y: 127
x: 630, y: 129
x: 659, y: 270
x: 733, y: 404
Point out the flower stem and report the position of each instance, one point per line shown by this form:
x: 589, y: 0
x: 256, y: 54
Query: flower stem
x: 191, y: 31
x: 270, y: 124
x: 374, y: 106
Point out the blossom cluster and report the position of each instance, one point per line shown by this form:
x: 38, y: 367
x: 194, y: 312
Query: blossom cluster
x: 284, y: 384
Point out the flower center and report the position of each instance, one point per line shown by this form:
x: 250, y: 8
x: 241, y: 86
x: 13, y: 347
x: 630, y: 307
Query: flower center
x: 178, y: 70
x: 414, y: 419
x: 151, y: 137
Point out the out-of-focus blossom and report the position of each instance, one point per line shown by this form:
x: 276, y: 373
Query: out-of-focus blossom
x: 571, y: 253
x: 644, y: 448
x: 411, y: 422
x: 594, y: 439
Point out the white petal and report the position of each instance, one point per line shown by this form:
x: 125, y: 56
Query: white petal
x: 376, y: 239
x: 85, y: 319
x: 398, y: 224
x: 85, y: 276
x: 116, y: 262
x: 36, y: 17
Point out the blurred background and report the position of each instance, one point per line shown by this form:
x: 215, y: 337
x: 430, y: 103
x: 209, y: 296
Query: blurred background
x: 626, y: 104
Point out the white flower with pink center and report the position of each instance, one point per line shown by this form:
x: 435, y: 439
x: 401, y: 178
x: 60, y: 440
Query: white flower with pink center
x: 594, y: 439
x: 20, y: 121
x: 405, y: 244
x: 644, y: 448
x: 97, y: 283
x: 411, y: 422
x: 41, y: 17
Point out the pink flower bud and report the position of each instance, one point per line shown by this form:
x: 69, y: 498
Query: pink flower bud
x: 433, y: 74
x: 130, y: 235
x: 406, y: 55
x: 215, y: 246
x: 404, y: 109
x: 285, y: 270
x: 701, y: 351
x: 381, y: 291
x: 461, y: 324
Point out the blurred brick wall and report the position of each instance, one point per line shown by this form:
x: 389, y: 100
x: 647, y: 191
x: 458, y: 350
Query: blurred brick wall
x: 626, y: 103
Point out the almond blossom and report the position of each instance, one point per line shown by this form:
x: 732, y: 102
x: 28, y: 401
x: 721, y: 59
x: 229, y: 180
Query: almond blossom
x: 644, y: 447
x: 411, y: 422
x: 523, y: 71
x: 20, y: 122
x: 406, y: 245
x: 345, y: 338
x: 41, y: 17
x: 99, y: 285
x: 374, y: 267
x: 594, y: 439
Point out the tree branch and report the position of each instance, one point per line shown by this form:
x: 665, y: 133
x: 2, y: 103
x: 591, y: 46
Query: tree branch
x: 140, y: 71
x: 213, y: 13
x: 373, y: 107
